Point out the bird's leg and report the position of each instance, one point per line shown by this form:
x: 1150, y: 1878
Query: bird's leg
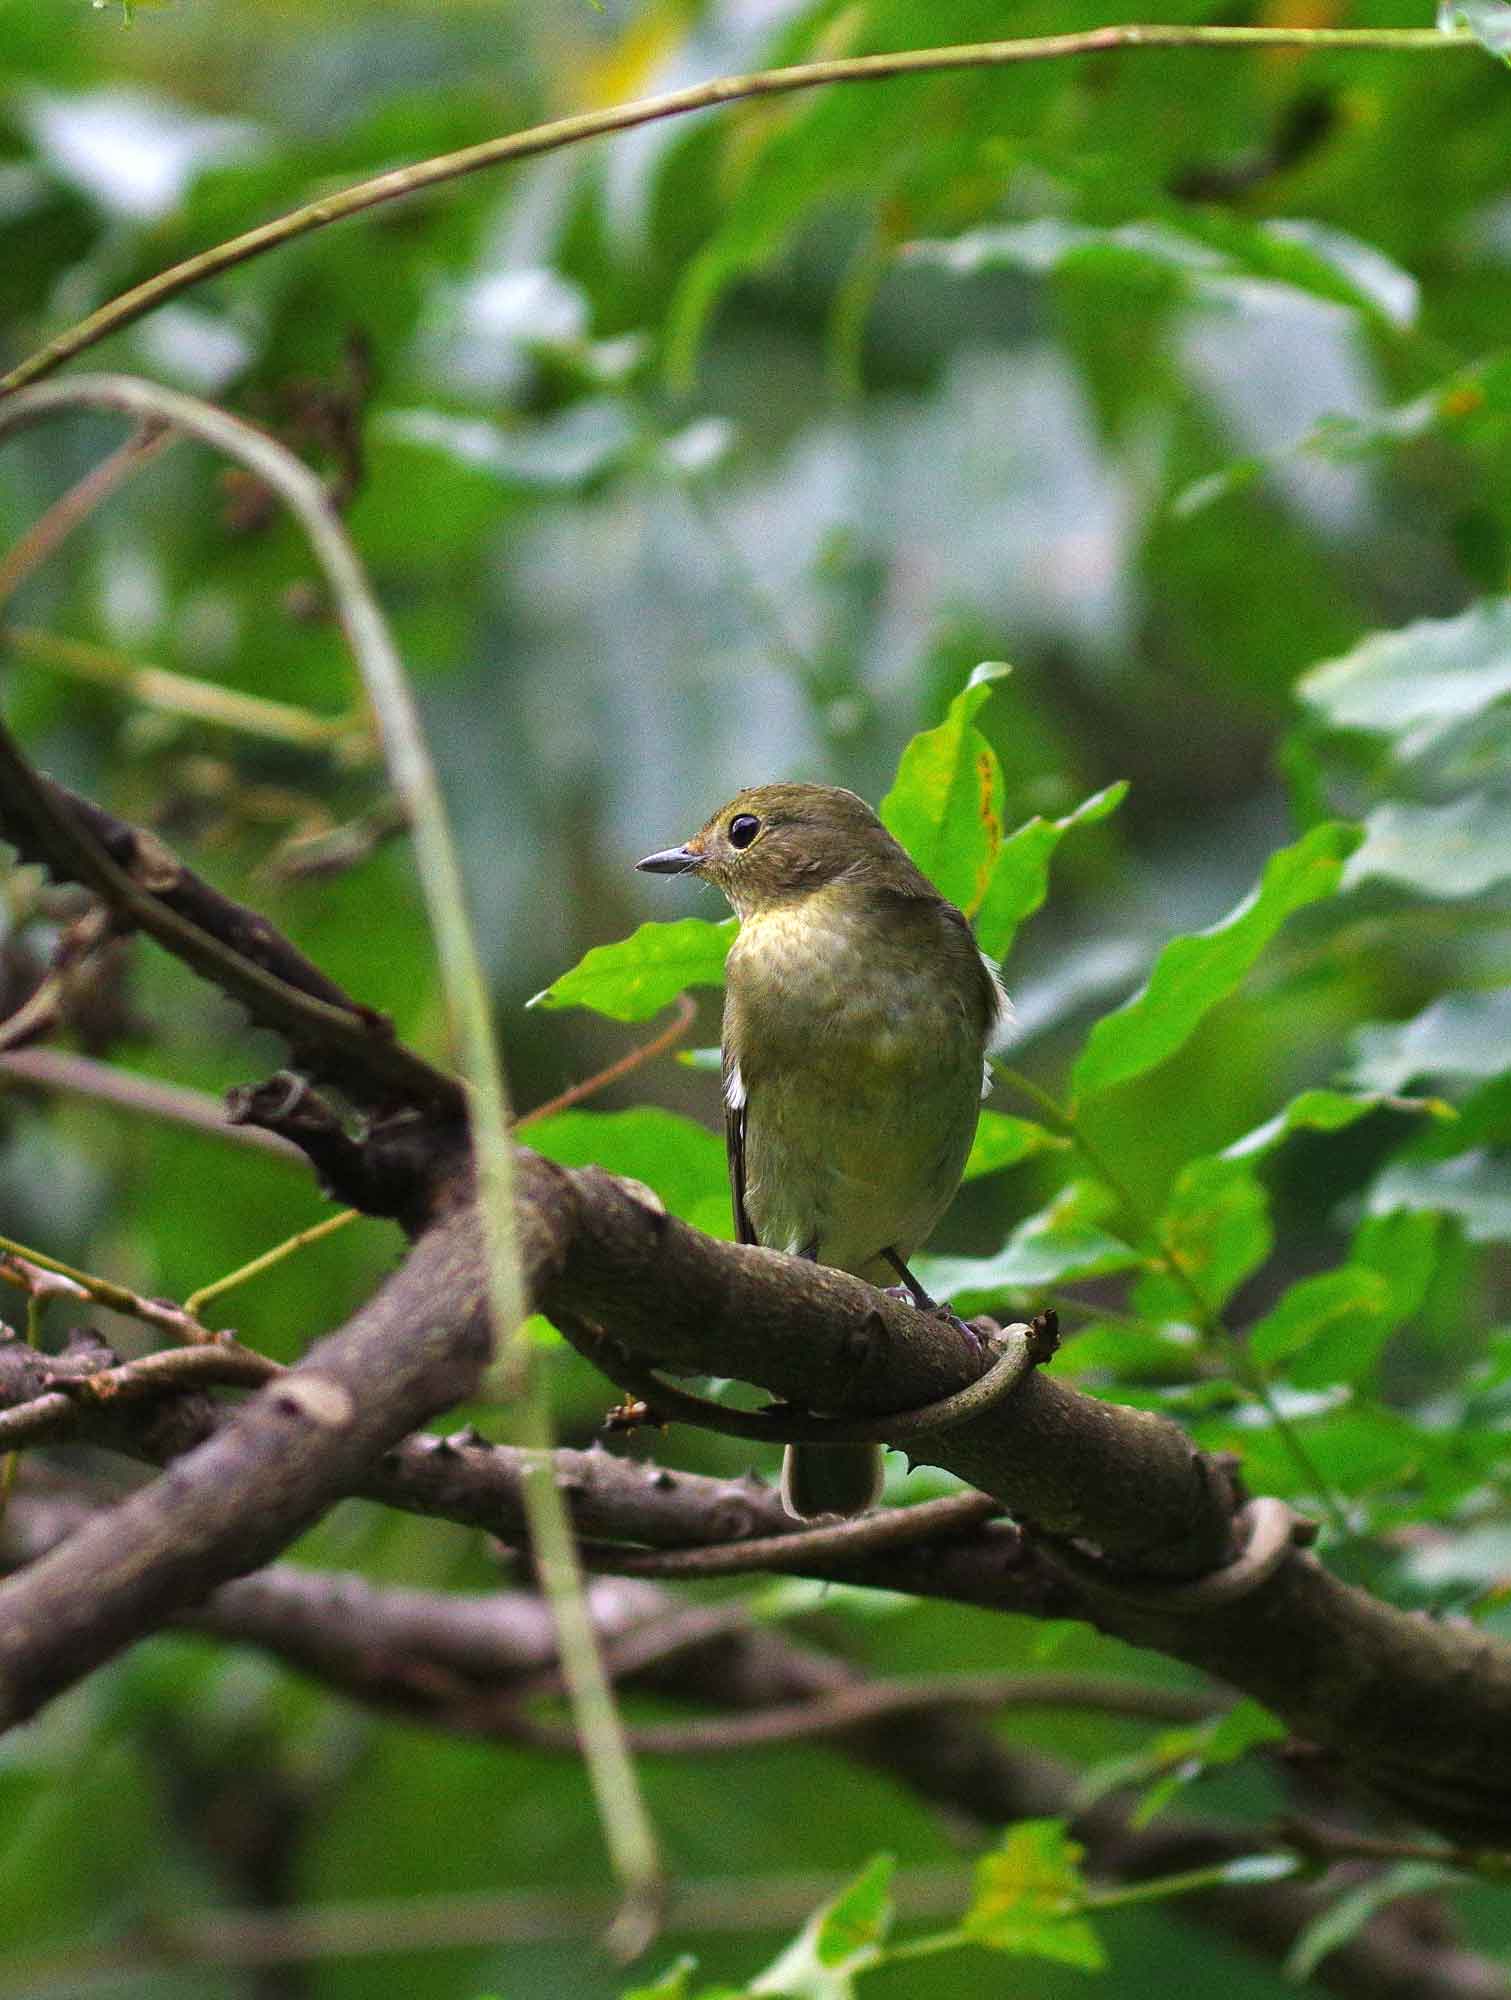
x: 911, y: 1289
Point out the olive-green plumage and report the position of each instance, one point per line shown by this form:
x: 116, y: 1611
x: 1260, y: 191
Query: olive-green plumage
x: 857, y: 1015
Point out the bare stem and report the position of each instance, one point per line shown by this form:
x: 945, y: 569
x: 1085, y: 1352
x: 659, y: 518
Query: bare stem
x: 77, y: 504
x: 196, y: 1302
x: 718, y: 91
x: 166, y: 1317
x: 414, y: 779
x: 668, y: 1038
x: 185, y: 694
x: 144, y: 1096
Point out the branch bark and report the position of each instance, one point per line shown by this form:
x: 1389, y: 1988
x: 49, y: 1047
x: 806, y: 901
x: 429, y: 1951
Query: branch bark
x: 234, y: 1501
x: 1420, y: 1712
x: 415, y: 1648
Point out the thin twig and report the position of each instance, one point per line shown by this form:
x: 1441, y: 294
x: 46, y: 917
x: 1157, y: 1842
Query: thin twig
x: 784, y: 1554
x: 46, y: 1006
x: 48, y: 533
x: 146, y: 1096
x: 716, y: 93
x: 160, y: 1313
x: 1316, y: 1841
x: 668, y: 1038
x: 481, y: 1921
x: 196, y: 1302
x: 169, y: 1371
x: 872, y: 1702
x: 185, y: 694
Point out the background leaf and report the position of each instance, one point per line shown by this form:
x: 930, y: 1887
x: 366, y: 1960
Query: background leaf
x: 1193, y: 973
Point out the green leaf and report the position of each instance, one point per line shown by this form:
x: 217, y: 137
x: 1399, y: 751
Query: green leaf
x: 641, y: 974
x: 1192, y: 974
x: 1002, y: 1141
x: 1352, y: 1299
x: 1188, y: 1754
x: 1059, y: 1244
x: 672, y: 1985
x: 683, y: 1161
x: 860, y: 1917
x: 1400, y: 1251
x: 1345, y: 1918
x: 946, y: 804
x: 1324, y: 1111
x: 1459, y: 849
x: 1416, y: 684
x: 1246, y: 1725
x: 1029, y: 1892
x: 1020, y: 880
x: 1216, y: 1226
x: 839, y: 1941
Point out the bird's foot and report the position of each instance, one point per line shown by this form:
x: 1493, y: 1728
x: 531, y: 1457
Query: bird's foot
x: 913, y: 1294
x: 973, y: 1334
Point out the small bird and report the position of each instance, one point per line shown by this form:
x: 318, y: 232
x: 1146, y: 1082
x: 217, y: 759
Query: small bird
x: 857, y: 1018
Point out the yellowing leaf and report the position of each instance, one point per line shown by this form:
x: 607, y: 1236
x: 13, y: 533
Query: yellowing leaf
x: 946, y: 804
x: 1029, y: 1894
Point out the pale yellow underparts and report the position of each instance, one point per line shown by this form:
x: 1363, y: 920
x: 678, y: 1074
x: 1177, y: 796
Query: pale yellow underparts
x: 859, y: 1052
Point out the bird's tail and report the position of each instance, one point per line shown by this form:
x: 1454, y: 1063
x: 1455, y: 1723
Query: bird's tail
x: 830, y: 1479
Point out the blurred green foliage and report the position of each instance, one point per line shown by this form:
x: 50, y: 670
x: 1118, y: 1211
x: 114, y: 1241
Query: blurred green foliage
x: 726, y: 451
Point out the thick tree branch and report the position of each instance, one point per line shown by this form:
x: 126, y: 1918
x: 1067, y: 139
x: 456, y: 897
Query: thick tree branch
x: 237, y: 1499
x: 417, y: 1650
x: 1420, y: 1712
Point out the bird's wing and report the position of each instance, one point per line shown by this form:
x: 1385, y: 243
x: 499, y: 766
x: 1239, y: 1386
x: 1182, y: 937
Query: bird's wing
x: 734, y: 1146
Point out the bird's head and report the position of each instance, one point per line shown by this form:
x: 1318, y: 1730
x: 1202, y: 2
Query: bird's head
x: 773, y: 844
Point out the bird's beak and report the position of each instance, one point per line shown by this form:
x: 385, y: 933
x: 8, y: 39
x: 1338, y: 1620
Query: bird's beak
x: 671, y: 861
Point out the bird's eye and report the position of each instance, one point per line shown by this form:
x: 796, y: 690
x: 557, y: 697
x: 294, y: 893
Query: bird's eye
x: 743, y: 829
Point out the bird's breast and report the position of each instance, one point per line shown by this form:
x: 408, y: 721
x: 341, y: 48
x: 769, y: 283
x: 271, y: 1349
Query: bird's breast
x: 862, y: 1071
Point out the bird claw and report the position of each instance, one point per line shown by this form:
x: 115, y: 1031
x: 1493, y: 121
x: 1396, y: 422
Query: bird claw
x: 973, y: 1334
